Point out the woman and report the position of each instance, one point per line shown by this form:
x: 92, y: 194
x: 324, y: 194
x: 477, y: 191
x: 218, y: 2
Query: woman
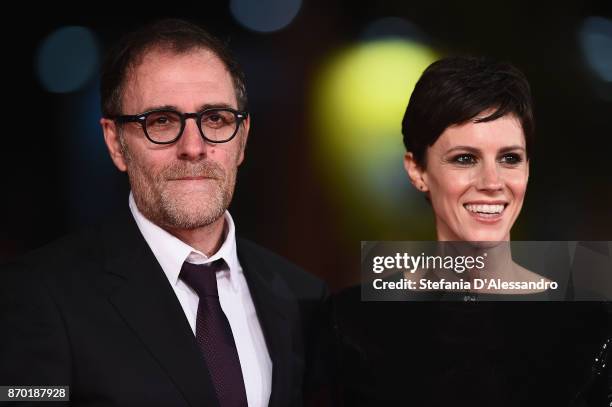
x: 469, y: 132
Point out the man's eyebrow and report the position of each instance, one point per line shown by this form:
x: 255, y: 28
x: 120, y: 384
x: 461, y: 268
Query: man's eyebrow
x: 160, y: 107
x: 220, y: 105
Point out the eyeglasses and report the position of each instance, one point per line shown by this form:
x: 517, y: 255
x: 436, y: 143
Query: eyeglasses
x: 164, y: 126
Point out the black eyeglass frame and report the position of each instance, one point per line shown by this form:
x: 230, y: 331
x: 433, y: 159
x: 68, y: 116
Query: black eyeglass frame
x: 142, y: 120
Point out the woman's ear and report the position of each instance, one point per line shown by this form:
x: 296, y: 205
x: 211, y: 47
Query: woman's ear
x: 415, y: 172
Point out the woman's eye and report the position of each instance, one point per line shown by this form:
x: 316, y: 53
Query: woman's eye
x: 511, y: 158
x: 464, y: 159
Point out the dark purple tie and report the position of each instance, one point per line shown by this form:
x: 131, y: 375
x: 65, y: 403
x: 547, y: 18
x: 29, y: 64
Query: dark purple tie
x: 214, y: 334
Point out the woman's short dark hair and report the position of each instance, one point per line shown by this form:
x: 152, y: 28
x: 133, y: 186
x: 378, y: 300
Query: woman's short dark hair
x: 455, y: 90
x: 173, y: 35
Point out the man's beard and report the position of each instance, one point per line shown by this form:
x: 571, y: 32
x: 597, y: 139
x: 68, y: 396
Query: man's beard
x: 161, y: 200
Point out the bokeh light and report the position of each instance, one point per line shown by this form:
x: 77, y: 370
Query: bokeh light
x: 67, y: 59
x: 359, y: 100
x: 265, y: 15
x: 393, y: 27
x: 596, y: 42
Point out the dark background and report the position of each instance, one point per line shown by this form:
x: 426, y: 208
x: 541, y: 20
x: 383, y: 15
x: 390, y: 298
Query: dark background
x: 57, y: 176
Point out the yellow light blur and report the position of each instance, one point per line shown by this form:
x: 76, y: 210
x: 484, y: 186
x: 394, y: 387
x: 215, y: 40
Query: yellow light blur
x: 359, y: 99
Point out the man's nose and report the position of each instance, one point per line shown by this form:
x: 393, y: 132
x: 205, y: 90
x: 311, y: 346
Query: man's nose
x: 191, y: 145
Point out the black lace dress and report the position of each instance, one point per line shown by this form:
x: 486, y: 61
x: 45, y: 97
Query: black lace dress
x: 466, y: 353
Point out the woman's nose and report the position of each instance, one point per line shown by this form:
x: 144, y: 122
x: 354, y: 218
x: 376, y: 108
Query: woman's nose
x: 489, y: 178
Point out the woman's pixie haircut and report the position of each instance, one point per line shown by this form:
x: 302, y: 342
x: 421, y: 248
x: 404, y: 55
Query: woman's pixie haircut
x: 455, y: 90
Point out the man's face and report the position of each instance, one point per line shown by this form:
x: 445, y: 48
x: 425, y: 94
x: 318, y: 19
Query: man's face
x: 188, y: 184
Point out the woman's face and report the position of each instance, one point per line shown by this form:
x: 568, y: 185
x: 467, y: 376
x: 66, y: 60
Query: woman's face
x: 476, y: 176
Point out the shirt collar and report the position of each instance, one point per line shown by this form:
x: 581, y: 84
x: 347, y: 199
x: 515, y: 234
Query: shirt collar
x: 172, y: 252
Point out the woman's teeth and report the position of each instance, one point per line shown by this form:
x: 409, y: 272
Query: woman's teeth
x: 486, y: 209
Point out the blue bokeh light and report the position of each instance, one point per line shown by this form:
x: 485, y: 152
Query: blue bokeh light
x: 596, y: 42
x: 67, y: 59
x: 265, y: 15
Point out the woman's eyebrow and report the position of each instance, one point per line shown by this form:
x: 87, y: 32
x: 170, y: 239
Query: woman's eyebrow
x: 464, y: 148
x: 511, y: 148
x: 475, y: 150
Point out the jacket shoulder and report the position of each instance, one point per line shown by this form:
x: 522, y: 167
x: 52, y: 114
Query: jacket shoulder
x: 62, y: 251
x: 274, y: 265
x: 78, y: 253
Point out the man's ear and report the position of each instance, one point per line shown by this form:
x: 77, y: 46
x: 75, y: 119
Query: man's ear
x: 244, y: 135
x: 415, y: 172
x: 111, y: 138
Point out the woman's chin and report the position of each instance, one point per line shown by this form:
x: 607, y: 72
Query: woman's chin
x: 487, y: 238
x: 469, y: 230
x: 486, y: 244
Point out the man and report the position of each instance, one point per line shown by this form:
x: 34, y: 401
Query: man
x: 164, y: 306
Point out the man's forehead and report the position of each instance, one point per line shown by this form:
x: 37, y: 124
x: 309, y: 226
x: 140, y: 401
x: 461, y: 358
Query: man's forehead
x: 195, y: 65
x: 167, y: 53
x: 165, y: 77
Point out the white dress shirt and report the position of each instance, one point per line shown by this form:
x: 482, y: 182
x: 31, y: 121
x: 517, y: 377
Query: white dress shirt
x: 234, y: 296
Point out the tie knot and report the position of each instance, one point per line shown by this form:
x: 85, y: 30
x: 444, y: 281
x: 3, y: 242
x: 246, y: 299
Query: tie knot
x: 202, y: 277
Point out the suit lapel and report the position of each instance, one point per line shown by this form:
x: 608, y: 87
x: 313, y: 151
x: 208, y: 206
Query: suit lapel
x: 271, y: 309
x: 149, y: 306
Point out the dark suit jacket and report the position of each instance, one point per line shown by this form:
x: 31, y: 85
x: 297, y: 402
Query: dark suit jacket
x: 95, y: 311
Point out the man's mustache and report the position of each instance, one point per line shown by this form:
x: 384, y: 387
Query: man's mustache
x: 206, y: 169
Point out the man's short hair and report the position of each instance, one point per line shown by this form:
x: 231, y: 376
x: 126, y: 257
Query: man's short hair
x: 172, y: 35
x: 455, y: 90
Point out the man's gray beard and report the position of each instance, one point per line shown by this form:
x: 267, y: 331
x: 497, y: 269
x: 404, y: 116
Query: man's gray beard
x: 167, y: 210
x: 172, y: 211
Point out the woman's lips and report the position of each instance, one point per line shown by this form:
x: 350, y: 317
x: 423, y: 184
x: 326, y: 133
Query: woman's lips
x: 487, y: 213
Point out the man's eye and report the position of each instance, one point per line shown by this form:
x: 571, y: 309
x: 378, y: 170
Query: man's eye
x: 511, y: 158
x: 464, y: 159
x: 217, y: 119
x: 214, y: 121
x: 162, y: 119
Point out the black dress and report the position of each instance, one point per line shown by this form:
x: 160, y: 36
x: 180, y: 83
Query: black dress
x: 471, y: 353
